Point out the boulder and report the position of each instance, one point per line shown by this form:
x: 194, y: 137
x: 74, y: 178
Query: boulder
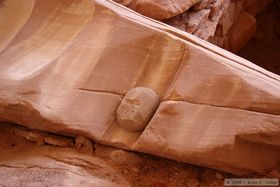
x: 137, y: 108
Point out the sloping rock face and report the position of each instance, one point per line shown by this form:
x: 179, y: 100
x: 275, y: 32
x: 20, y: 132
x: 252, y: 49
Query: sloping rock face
x: 229, y: 24
x: 67, y: 65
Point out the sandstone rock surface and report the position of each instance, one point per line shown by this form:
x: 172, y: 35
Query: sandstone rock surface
x: 162, y: 9
x: 137, y: 108
x: 68, y: 64
x: 230, y: 24
x: 22, y: 163
x: 213, y: 20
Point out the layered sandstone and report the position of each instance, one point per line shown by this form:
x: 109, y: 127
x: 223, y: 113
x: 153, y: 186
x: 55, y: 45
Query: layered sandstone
x: 22, y: 163
x: 67, y: 66
x: 229, y: 24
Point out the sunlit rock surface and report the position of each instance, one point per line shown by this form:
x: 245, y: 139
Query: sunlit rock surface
x: 229, y: 24
x: 65, y: 67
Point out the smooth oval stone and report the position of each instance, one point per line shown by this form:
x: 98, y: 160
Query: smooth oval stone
x: 137, y: 108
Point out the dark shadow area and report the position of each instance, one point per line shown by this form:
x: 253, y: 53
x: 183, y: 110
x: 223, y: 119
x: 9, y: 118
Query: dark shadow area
x: 264, y: 48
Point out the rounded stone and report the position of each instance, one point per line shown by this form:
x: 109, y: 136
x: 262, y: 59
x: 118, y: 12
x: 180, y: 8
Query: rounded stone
x: 137, y: 108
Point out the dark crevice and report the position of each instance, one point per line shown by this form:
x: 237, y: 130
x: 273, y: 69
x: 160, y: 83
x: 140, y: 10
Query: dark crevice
x: 264, y: 48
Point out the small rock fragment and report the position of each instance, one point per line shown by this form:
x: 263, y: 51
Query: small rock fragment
x: 162, y: 9
x: 29, y: 135
x: 124, y: 2
x: 215, y: 7
x: 125, y: 157
x: 196, y: 18
x: 193, y: 183
x: 202, y: 4
x: 59, y: 141
x: 84, y: 145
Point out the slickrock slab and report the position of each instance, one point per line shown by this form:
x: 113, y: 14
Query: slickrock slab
x: 13, y: 24
x: 194, y: 133
x: 70, y: 66
x: 205, y: 79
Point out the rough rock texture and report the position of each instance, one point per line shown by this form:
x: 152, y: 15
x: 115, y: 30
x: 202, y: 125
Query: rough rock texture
x: 263, y: 49
x: 238, y: 24
x: 137, y: 108
x: 22, y: 163
x: 68, y: 64
x: 84, y: 145
x: 216, y: 21
x: 162, y: 9
x: 203, y: 19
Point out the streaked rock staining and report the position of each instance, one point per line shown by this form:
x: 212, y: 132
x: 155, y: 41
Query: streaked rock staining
x: 89, y: 74
x: 216, y: 21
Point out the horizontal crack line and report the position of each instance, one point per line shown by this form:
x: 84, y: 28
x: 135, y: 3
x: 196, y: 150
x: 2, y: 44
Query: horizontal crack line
x: 225, y: 107
x: 100, y: 91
